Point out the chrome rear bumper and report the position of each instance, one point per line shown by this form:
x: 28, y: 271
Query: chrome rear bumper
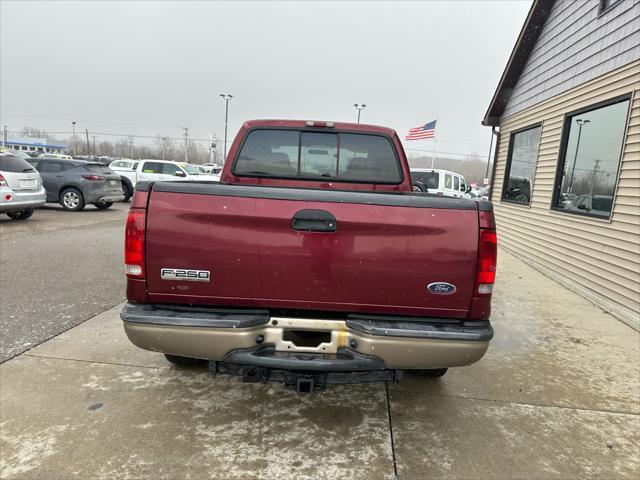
x: 359, y: 342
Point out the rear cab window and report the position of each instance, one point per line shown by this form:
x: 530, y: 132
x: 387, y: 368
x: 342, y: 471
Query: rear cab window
x: 308, y: 155
x: 428, y: 179
x: 9, y: 163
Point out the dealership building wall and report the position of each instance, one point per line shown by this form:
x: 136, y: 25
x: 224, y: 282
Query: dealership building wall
x: 598, y: 258
x: 572, y: 61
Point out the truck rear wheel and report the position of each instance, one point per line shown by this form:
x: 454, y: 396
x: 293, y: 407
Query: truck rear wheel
x: 431, y: 373
x: 183, y: 361
x: 127, y: 189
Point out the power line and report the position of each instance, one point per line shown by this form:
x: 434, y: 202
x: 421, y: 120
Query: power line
x: 153, y: 137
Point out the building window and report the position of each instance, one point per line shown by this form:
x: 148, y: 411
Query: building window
x: 590, y: 158
x: 607, y: 4
x: 521, y: 165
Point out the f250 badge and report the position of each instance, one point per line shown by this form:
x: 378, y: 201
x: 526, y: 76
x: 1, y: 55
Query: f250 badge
x: 185, y: 275
x: 441, y: 288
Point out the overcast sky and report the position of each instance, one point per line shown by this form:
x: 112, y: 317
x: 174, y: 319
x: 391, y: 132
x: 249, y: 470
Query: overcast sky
x: 150, y: 68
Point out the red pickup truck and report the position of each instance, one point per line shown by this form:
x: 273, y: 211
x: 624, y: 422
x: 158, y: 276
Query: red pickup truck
x: 312, y: 261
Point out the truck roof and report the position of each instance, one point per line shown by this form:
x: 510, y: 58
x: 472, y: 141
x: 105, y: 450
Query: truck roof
x: 357, y: 127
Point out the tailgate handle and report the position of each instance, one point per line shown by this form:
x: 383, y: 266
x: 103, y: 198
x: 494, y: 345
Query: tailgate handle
x: 309, y: 220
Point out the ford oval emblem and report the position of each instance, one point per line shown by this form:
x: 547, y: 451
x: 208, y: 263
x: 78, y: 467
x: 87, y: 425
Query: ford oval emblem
x: 441, y: 288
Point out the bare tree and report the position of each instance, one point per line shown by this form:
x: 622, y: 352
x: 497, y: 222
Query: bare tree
x: 33, y: 132
x: 106, y: 148
x: 166, y: 147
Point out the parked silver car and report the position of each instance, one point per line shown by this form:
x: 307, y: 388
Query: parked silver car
x: 21, y: 189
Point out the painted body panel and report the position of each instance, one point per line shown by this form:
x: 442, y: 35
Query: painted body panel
x: 380, y: 259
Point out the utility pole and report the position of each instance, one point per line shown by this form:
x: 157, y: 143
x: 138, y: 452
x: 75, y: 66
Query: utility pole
x: 86, y: 132
x: 212, y: 148
x: 130, y: 142
x: 73, y: 140
x: 226, y: 97
x: 4, y: 135
x: 580, y: 123
x: 186, y: 144
x: 359, y: 108
x: 93, y: 137
x: 594, y: 175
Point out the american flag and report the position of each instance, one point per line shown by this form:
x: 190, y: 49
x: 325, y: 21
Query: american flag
x: 423, y: 131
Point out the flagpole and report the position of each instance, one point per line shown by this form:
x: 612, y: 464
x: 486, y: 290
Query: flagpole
x: 433, y: 154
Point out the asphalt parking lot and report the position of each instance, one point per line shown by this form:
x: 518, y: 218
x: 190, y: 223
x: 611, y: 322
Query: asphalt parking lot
x: 58, y: 269
x: 557, y: 395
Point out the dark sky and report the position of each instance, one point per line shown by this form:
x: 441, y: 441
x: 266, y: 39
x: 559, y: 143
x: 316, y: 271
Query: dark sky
x: 151, y: 68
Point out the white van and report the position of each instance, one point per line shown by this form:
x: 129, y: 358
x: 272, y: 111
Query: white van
x: 440, y: 182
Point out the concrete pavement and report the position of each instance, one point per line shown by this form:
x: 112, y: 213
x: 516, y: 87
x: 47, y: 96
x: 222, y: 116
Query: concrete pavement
x: 557, y: 396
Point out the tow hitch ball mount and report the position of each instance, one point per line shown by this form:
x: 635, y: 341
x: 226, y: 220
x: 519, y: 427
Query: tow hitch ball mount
x: 302, y: 382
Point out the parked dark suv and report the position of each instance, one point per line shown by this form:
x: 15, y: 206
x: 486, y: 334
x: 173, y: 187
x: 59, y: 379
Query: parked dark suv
x: 74, y: 183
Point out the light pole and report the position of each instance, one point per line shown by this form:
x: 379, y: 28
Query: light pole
x: 226, y: 97
x: 359, y: 107
x: 73, y: 125
x: 86, y: 131
x: 4, y: 135
x: 186, y: 144
x: 580, y: 123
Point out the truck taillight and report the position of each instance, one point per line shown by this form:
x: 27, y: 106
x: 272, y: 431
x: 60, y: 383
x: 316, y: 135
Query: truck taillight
x: 487, y: 258
x: 3, y: 182
x: 134, y: 244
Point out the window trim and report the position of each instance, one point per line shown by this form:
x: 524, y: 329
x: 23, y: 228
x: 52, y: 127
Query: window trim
x: 507, y: 167
x: 564, y: 141
x: 318, y: 179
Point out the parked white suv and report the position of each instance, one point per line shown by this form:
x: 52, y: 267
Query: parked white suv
x: 21, y: 189
x: 440, y: 182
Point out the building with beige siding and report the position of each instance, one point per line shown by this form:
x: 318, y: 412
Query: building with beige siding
x: 566, y: 171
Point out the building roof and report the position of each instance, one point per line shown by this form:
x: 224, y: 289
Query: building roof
x: 32, y: 144
x: 538, y: 15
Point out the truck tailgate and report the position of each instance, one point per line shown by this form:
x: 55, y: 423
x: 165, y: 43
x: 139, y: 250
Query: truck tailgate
x: 385, y: 250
